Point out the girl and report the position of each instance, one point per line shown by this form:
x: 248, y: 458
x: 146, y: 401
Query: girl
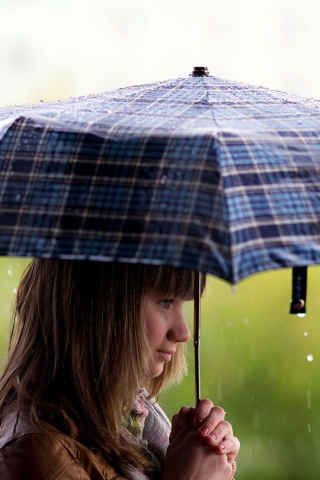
x: 92, y: 344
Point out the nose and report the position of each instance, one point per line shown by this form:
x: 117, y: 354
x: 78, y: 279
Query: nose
x: 179, y: 331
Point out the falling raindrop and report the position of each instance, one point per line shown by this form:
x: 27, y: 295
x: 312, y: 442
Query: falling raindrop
x: 305, y: 334
x: 9, y: 271
x: 310, y: 357
x: 256, y: 419
x: 241, y: 378
x: 309, y: 399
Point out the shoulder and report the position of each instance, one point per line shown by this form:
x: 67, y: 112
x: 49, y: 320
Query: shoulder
x: 37, y: 456
x: 28, y: 451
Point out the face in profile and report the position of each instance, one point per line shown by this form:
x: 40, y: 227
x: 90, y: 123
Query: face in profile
x: 165, y: 327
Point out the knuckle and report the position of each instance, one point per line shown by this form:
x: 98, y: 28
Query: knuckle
x: 227, y: 425
x: 219, y: 411
x: 237, y: 441
x: 205, y: 402
x: 183, y: 410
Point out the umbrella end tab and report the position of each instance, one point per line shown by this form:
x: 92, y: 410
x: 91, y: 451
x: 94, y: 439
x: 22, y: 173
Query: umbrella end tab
x: 299, y: 291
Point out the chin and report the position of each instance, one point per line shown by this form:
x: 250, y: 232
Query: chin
x: 155, y: 371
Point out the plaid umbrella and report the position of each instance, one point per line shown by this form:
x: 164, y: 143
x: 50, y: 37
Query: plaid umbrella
x: 197, y: 172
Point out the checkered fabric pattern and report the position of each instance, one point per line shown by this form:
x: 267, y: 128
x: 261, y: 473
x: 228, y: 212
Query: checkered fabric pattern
x: 197, y: 172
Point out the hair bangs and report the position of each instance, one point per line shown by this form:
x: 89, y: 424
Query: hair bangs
x: 173, y: 281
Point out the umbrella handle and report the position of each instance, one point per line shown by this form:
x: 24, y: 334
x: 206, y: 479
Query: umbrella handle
x: 196, y: 334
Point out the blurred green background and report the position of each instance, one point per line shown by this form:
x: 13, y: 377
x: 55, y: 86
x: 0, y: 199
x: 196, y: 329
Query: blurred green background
x: 258, y: 362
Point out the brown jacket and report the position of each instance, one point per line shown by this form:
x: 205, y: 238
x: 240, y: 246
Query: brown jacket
x: 29, y: 453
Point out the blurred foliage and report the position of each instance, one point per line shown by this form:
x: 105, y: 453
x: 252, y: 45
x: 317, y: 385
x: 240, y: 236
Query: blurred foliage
x: 254, y: 359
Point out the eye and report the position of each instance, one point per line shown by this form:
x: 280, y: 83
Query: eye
x: 166, y: 303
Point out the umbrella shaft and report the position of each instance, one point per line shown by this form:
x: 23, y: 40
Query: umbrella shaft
x: 196, y: 339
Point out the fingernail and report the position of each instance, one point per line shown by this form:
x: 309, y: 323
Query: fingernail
x: 213, y: 436
x: 199, y: 420
x: 204, y: 430
x: 222, y: 446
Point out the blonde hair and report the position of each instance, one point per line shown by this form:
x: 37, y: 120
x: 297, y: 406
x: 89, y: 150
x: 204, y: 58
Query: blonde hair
x: 78, y: 343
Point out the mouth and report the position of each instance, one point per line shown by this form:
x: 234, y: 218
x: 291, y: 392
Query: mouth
x: 166, y: 355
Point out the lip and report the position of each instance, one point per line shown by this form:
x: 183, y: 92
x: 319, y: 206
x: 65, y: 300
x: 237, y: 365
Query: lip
x: 166, y: 355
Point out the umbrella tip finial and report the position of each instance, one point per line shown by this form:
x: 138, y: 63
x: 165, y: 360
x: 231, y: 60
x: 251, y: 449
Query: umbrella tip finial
x: 200, y: 72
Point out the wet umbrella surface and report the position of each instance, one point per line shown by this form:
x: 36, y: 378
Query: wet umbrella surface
x: 196, y: 172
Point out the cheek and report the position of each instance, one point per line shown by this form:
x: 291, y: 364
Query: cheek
x: 155, y: 331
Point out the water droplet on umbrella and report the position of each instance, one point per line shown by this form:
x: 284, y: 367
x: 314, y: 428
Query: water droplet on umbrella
x: 310, y: 357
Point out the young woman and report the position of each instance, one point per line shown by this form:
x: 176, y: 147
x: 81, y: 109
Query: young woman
x: 92, y: 344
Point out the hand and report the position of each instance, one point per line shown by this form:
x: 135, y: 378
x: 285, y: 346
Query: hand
x: 210, y: 425
x: 215, y: 430
x: 201, y: 446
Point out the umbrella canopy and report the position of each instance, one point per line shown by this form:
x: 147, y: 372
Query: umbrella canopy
x: 196, y: 172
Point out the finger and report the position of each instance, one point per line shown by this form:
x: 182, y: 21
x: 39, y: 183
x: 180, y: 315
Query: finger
x: 174, y: 427
x: 210, y: 423
x: 180, y: 420
x: 220, y: 432
x: 202, y: 411
x: 229, y: 446
x: 176, y: 421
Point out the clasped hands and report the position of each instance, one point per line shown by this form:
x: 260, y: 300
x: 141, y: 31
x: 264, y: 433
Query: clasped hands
x: 202, y: 445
